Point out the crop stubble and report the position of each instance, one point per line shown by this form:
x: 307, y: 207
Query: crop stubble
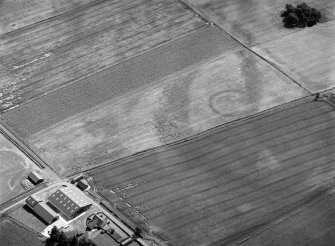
x: 307, y: 56
x: 228, y: 180
x: 47, y: 55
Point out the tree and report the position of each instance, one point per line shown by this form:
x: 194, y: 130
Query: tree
x: 86, y: 242
x: 59, y: 238
x: 63, y: 240
x: 74, y: 241
x: 54, y: 236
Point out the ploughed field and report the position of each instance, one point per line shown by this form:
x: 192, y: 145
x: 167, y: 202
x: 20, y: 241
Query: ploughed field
x: 20, y: 13
x: 54, y: 52
x: 175, y: 91
x: 311, y: 225
x: 209, y: 189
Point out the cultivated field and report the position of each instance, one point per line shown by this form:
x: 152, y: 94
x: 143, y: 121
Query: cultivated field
x: 53, y: 53
x: 311, y: 225
x: 228, y: 179
x: 144, y: 107
x: 14, y: 167
x: 256, y: 21
x: 20, y: 13
x: 307, y: 56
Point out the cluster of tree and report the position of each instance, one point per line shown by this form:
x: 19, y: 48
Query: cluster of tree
x: 300, y: 16
x: 59, y: 238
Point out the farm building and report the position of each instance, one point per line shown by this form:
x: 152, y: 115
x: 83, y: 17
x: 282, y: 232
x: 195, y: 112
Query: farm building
x: 81, y: 184
x: 42, y: 210
x: 35, y: 177
x: 99, y: 220
x: 69, y: 202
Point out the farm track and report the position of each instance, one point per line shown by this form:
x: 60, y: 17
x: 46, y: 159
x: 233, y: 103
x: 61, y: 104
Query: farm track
x: 21, y: 145
x: 72, y: 46
x: 230, y: 180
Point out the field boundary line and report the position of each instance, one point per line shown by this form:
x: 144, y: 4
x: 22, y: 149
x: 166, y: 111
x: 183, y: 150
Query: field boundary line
x: 8, y: 133
x: 201, y: 28
x: 214, y: 129
x: 10, y: 202
x: 85, y: 6
x: 209, y: 15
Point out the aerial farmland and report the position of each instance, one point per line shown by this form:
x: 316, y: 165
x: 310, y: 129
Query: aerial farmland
x: 228, y: 179
x: 202, y: 122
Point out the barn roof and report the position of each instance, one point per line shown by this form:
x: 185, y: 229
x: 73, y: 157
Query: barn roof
x: 35, y: 177
x: 42, y: 210
x: 31, y: 201
x: 68, y: 201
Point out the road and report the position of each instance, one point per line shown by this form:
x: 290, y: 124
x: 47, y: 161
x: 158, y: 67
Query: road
x: 20, y: 145
x: 124, y: 227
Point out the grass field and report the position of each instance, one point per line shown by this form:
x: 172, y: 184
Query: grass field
x: 55, y: 52
x: 254, y: 22
x: 311, y: 225
x: 211, y: 82
x: 27, y: 217
x: 306, y: 60
x: 229, y: 179
x: 13, y: 233
x: 14, y: 167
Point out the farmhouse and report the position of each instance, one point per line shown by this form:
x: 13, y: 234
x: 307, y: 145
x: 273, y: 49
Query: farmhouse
x: 69, y: 202
x: 42, y: 210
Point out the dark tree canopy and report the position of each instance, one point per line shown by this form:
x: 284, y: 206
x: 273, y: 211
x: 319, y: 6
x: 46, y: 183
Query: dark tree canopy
x: 58, y: 238
x: 300, y: 16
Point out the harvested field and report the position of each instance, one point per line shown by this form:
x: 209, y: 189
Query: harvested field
x: 20, y: 13
x: 208, y: 189
x: 13, y: 233
x: 14, y: 167
x: 307, y: 56
x: 53, y: 53
x: 255, y: 22
x: 312, y: 225
x: 222, y: 84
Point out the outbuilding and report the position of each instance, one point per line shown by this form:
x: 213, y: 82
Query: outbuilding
x: 42, y: 210
x: 35, y: 177
x: 81, y: 184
